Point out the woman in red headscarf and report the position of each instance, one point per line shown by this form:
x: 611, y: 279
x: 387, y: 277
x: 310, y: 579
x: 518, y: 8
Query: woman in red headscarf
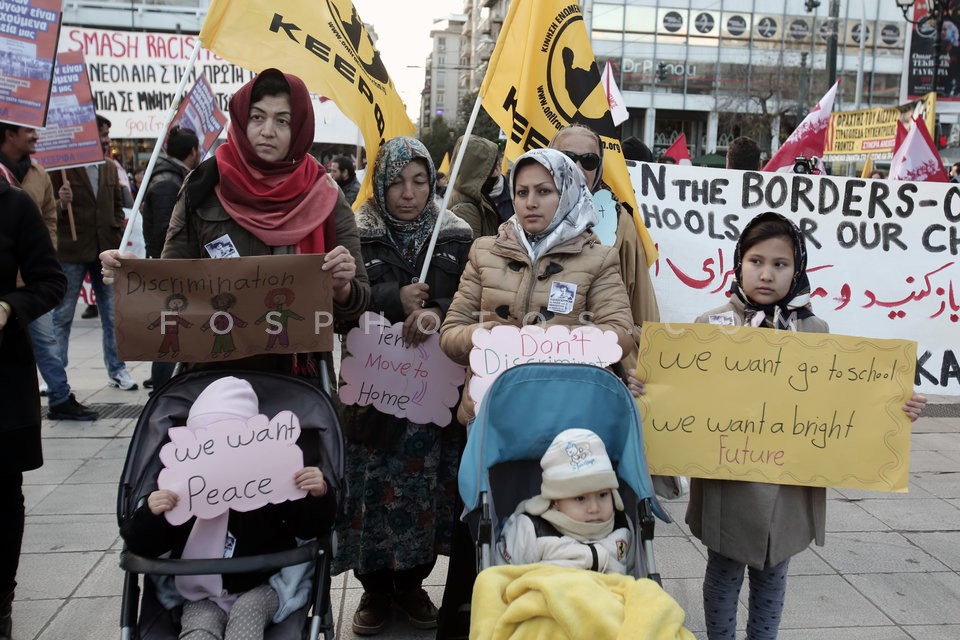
x: 264, y: 194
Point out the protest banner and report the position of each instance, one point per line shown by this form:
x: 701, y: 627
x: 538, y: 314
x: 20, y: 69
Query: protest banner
x: 71, y: 137
x: 236, y: 464
x: 542, y: 76
x: 199, y: 112
x: 504, y: 347
x: 418, y: 383
x: 856, y: 135
x: 28, y: 46
x: 222, y: 309
x: 739, y: 403
x: 327, y: 46
x: 884, y: 256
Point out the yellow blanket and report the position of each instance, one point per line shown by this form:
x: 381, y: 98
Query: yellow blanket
x: 544, y: 602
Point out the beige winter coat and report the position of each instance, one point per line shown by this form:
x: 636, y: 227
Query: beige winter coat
x: 755, y: 522
x: 500, y: 286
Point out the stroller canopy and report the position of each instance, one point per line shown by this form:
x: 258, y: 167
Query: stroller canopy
x: 528, y: 405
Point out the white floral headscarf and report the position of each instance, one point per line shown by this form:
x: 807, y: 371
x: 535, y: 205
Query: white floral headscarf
x: 575, y: 212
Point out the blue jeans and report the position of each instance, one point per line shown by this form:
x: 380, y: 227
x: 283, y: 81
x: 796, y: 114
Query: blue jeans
x: 63, y: 314
x: 46, y: 350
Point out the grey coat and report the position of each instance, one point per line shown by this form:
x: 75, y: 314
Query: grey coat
x: 755, y: 522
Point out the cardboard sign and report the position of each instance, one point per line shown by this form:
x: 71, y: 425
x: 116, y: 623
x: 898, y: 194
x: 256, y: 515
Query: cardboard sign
x: 418, y: 383
x: 504, y: 347
x: 884, y: 256
x: 235, y: 464
x: 209, y: 310
x: 71, y: 138
x: 738, y: 403
x: 28, y: 44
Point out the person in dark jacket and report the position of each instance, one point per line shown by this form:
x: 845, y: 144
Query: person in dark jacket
x: 403, y: 476
x: 479, y: 174
x: 183, y: 155
x: 343, y: 171
x: 25, y: 248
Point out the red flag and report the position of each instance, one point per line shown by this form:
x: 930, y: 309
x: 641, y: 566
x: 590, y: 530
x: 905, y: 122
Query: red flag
x: 901, y: 134
x: 808, y: 139
x: 916, y: 158
x: 678, y: 150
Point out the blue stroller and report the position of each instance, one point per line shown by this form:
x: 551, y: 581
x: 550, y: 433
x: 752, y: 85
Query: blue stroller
x: 520, y: 415
x: 321, y: 440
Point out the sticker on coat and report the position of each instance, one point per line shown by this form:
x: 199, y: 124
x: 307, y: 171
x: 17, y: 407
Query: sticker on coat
x: 561, y: 298
x: 222, y: 247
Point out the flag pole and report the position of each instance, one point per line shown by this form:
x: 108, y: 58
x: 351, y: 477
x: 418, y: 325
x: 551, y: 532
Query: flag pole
x: 446, y: 195
x: 174, y: 105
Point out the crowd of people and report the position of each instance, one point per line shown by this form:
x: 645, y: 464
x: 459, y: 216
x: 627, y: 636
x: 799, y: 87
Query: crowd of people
x: 516, y: 250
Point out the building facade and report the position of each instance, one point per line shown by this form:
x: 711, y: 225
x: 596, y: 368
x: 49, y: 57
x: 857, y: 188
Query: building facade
x: 443, y: 85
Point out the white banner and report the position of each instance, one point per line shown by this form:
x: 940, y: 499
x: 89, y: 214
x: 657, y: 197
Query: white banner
x: 884, y: 256
x: 134, y: 77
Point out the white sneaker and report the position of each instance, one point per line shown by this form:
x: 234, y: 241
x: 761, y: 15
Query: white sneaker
x: 43, y: 389
x: 124, y: 381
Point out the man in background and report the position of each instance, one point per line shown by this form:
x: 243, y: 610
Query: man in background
x: 94, y: 192
x: 182, y: 157
x: 343, y: 171
x: 16, y: 145
x: 744, y: 154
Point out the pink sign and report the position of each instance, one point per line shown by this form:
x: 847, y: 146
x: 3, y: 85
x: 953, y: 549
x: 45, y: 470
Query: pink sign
x: 238, y: 464
x: 504, y: 347
x: 418, y: 383
x: 28, y: 43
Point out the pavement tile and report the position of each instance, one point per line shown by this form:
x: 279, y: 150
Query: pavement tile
x: 935, y: 442
x: 98, y: 471
x: 46, y: 534
x: 848, y: 515
x: 688, y: 592
x: 52, y: 472
x: 30, y: 616
x: 844, y: 633
x: 934, y: 461
x: 934, y: 632
x: 913, y: 598
x: 106, y: 578
x: 875, y: 552
x: 824, y: 602
x: 944, y: 545
x: 79, y: 498
x: 72, y: 448
x: 679, y: 558
x: 96, y: 617
x: 941, y: 484
x: 53, y: 575
x: 914, y: 515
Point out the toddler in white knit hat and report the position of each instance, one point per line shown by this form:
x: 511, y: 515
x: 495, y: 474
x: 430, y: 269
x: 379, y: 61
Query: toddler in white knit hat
x: 577, y: 520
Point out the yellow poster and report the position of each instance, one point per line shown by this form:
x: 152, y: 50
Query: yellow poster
x: 739, y: 403
x: 542, y: 76
x: 326, y: 45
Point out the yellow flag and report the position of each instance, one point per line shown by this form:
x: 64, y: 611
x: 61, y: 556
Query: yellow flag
x: 867, y: 167
x: 541, y: 77
x: 445, y: 165
x: 327, y: 46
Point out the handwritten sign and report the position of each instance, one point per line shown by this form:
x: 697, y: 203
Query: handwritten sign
x: 503, y: 347
x: 739, y: 403
x: 418, y: 383
x: 236, y: 464
x: 28, y: 42
x: 884, y: 256
x: 222, y: 309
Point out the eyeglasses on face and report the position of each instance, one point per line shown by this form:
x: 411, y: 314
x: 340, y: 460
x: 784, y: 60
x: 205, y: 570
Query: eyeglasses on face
x: 589, y: 161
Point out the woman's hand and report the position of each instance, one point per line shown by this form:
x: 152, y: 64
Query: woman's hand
x: 420, y: 325
x: 413, y: 296
x: 110, y: 261
x: 343, y: 269
x: 635, y: 386
x: 914, y: 406
x: 310, y: 479
x: 161, y: 501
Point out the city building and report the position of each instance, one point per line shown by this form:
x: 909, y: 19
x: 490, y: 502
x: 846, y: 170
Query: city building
x: 442, y: 82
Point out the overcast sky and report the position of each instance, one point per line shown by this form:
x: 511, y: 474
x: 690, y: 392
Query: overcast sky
x: 403, y: 32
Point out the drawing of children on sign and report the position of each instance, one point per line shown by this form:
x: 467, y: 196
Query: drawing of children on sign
x: 223, y: 321
x: 170, y: 322
x: 277, y: 302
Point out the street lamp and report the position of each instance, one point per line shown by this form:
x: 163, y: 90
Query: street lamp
x: 937, y: 11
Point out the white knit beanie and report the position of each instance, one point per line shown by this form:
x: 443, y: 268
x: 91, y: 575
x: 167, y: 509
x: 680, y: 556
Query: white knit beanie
x: 576, y: 463
x: 223, y: 399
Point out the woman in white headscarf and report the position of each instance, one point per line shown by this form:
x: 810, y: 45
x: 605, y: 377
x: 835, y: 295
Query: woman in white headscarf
x: 545, y: 265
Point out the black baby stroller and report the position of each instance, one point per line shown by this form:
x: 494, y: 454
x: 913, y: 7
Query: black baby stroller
x: 519, y: 416
x: 320, y: 439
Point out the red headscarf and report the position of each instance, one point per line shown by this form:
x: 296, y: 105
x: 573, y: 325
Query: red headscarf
x: 281, y: 203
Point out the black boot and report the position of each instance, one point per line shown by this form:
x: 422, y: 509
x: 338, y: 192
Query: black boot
x: 6, y: 616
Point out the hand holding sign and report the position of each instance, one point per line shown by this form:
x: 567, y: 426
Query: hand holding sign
x: 237, y: 464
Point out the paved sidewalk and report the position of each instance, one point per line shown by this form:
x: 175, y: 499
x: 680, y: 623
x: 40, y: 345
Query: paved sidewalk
x: 890, y: 569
